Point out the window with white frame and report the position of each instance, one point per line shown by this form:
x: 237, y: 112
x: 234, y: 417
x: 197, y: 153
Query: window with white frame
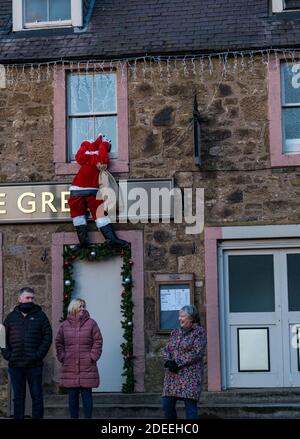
x: 285, y: 5
x: 290, y: 100
x: 91, y: 109
x: 36, y: 14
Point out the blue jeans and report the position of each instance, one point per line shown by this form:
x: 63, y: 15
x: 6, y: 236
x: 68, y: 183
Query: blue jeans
x: 87, y: 402
x: 169, y: 407
x: 19, y: 376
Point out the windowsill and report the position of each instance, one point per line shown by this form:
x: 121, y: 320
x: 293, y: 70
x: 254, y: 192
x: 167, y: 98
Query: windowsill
x: 48, y: 25
x: 73, y: 167
x: 45, y: 32
x: 291, y: 153
x: 285, y: 15
x: 285, y: 159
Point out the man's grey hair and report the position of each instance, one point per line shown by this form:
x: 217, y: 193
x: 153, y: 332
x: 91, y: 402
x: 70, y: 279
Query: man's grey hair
x: 26, y: 290
x: 192, y: 312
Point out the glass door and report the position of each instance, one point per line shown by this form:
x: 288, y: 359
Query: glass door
x: 253, y: 319
x: 261, y: 305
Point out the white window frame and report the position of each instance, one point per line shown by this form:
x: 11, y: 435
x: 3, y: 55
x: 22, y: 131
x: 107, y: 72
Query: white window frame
x: 279, y: 6
x: 19, y: 25
x: 93, y: 114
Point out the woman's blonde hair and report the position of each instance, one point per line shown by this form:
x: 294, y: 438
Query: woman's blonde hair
x: 74, y: 306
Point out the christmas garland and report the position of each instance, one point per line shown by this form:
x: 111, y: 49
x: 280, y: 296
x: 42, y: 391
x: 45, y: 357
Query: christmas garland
x: 96, y: 253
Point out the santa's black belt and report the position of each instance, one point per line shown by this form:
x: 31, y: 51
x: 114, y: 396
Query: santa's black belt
x: 83, y: 193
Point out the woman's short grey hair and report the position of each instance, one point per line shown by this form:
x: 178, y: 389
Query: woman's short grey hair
x: 192, y: 312
x: 74, y: 306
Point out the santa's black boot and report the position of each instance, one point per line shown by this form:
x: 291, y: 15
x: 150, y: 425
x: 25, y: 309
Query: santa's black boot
x: 82, y: 233
x: 111, y: 238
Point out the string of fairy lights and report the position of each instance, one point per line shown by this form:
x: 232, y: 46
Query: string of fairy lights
x: 169, y: 67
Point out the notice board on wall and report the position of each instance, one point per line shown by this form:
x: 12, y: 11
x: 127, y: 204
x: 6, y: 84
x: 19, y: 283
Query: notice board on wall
x: 173, y: 292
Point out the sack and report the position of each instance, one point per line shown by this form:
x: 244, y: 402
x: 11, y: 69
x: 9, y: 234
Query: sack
x: 107, y: 184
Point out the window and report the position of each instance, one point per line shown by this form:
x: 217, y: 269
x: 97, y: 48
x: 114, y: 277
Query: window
x: 87, y: 102
x: 92, y: 108
x: 284, y: 111
x: 37, y: 14
x: 291, y: 5
x: 36, y: 11
x: 285, y: 5
x: 290, y: 99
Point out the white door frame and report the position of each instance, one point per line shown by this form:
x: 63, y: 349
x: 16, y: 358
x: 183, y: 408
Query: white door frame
x: 137, y: 249
x: 261, y: 247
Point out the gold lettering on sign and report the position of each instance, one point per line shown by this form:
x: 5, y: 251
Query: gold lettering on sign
x: 29, y: 203
x: 64, y: 202
x: 2, y: 203
x: 48, y: 202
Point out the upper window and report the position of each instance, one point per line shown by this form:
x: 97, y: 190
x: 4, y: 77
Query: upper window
x: 285, y: 5
x: 290, y: 102
x: 291, y: 4
x: 37, y: 14
x: 284, y: 111
x: 88, y: 102
x: 92, y: 108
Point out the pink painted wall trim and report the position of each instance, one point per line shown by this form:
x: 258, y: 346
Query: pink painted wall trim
x: 1, y: 279
x: 278, y: 158
x: 59, y: 117
x: 62, y: 167
x: 211, y: 235
x: 136, y: 239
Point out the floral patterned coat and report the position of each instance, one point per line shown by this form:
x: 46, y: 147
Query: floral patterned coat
x: 187, y: 349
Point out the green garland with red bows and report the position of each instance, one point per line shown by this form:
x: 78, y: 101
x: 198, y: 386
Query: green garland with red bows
x: 97, y: 253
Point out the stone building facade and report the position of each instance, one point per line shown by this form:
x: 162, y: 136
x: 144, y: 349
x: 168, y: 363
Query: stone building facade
x: 245, y: 194
x: 240, y: 186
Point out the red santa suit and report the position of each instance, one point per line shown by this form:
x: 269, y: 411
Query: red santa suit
x: 86, y: 182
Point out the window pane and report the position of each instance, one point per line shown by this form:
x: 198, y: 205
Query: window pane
x: 290, y: 83
x: 291, y: 129
x: 105, y: 92
x: 80, y: 129
x: 253, y: 348
x: 292, y: 4
x: 251, y: 283
x: 60, y: 10
x: 80, y: 94
x: 293, y: 269
x: 35, y: 10
x: 108, y: 125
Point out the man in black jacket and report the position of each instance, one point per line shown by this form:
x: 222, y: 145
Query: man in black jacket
x: 28, y: 339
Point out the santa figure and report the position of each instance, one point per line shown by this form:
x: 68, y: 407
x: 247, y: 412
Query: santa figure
x: 92, y: 157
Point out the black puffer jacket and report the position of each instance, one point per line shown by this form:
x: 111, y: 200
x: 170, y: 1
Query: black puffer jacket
x: 28, y: 338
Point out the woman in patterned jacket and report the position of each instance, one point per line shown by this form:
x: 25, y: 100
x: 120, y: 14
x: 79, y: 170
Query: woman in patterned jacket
x: 183, y: 358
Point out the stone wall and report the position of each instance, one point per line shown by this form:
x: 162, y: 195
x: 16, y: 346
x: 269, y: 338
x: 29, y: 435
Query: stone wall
x: 27, y: 262
x: 240, y: 187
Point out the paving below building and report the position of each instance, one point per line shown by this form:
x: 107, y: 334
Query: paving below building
x: 230, y: 404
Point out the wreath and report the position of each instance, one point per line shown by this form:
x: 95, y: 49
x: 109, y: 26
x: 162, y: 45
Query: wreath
x: 97, y: 253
